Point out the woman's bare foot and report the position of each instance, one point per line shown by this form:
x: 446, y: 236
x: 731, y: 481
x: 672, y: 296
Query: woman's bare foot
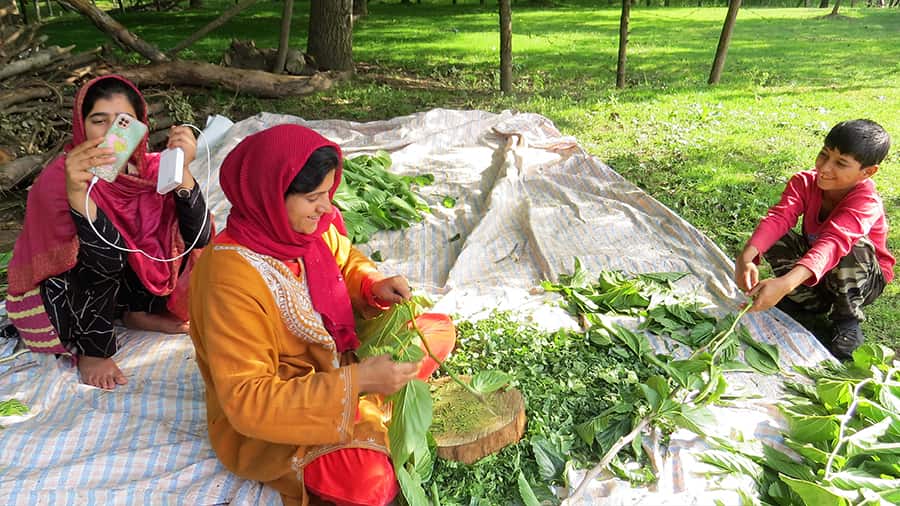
x: 155, y: 322
x: 100, y: 372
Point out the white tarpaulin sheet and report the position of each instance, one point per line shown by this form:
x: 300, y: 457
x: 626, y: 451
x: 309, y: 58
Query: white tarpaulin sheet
x: 529, y: 200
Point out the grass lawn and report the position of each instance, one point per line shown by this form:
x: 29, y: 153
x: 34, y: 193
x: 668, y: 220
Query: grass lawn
x: 717, y: 155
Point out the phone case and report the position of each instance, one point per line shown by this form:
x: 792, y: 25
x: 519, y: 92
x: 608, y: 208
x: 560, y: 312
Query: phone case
x: 123, y: 136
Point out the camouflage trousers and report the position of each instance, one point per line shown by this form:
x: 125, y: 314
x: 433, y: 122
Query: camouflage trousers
x: 842, y: 292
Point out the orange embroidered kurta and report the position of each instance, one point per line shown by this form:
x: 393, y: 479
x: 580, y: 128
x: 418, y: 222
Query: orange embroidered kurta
x: 277, y: 395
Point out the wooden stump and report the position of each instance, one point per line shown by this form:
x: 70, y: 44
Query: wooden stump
x: 466, y: 430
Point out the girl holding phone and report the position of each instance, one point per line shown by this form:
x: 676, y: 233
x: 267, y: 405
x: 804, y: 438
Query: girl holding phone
x: 66, y: 285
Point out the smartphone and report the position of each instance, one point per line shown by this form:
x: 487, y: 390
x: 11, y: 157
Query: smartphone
x: 124, y: 136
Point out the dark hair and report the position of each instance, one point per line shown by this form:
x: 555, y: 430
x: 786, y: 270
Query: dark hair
x: 864, y: 139
x: 107, y: 89
x: 320, y: 163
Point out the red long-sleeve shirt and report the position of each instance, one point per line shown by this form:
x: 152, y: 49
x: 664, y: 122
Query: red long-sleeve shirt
x: 859, y: 214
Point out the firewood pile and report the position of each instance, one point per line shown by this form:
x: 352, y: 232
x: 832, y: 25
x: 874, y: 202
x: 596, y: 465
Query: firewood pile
x: 37, y: 89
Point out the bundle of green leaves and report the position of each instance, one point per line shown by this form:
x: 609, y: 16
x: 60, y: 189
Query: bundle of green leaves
x: 412, y: 447
x: 844, y: 433
x: 371, y: 198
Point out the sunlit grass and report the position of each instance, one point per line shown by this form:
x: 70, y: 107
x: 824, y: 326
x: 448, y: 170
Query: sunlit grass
x: 719, y: 156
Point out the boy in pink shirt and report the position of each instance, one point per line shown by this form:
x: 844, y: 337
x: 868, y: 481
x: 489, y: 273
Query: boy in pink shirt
x: 839, y: 262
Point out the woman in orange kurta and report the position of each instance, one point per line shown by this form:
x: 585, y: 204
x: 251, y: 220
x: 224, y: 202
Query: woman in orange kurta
x: 272, y: 323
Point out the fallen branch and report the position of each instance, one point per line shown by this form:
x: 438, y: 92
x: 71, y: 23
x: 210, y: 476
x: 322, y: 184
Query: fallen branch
x: 611, y: 454
x: 252, y: 82
x: 14, y: 172
x: 219, y: 21
x: 39, y: 60
x: 11, y: 97
x: 116, y: 30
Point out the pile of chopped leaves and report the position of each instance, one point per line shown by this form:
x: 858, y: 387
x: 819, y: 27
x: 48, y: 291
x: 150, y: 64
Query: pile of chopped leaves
x: 843, y: 435
x: 371, y: 198
x: 589, y: 393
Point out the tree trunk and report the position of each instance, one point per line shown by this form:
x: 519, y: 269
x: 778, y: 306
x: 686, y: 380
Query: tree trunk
x: 330, y: 39
x: 196, y: 4
x: 116, y: 30
x: 623, y: 44
x: 284, y: 42
x: 360, y: 8
x: 37, y: 11
x: 212, y: 25
x: 506, y: 74
x: 251, y: 82
x: 823, y: 4
x: 50, y: 8
x: 724, y: 39
x: 121, y: 6
x: 837, y: 5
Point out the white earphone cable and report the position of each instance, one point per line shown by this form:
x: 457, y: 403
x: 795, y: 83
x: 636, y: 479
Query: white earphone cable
x: 87, y: 208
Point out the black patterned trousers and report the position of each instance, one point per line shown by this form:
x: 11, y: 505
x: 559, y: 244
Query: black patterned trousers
x: 84, y: 302
x: 842, y: 292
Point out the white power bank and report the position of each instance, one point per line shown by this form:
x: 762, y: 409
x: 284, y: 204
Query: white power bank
x: 171, y: 170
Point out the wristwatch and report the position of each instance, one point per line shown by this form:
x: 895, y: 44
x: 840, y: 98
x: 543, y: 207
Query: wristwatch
x: 183, y: 193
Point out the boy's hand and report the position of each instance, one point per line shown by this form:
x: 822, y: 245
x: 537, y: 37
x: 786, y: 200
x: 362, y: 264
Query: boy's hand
x: 746, y: 273
x: 769, y: 292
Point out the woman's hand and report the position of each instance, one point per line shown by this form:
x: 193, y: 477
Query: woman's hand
x: 78, y: 162
x: 393, y: 289
x: 182, y: 137
x: 381, y: 375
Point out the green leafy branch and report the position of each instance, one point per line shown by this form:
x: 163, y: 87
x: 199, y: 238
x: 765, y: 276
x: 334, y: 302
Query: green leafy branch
x: 371, y: 198
x: 668, y: 405
x: 844, y: 431
x: 412, y: 448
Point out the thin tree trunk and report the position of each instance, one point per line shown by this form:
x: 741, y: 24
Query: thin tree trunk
x: 506, y: 75
x: 50, y: 8
x: 37, y: 11
x: 360, y: 8
x: 623, y: 44
x: 121, y: 6
x: 24, y: 11
x: 837, y: 5
x: 116, y: 30
x: 196, y: 4
x: 724, y: 39
x: 330, y: 34
x: 823, y: 4
x: 284, y: 41
x: 212, y: 25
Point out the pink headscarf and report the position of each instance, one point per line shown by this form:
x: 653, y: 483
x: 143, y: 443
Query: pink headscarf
x: 48, y: 245
x: 254, y: 177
